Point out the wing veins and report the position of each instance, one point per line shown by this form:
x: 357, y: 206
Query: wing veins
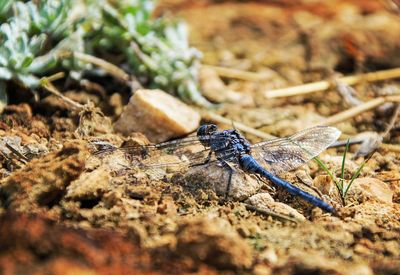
x: 287, y: 153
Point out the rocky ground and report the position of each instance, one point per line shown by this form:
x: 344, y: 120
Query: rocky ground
x: 66, y: 210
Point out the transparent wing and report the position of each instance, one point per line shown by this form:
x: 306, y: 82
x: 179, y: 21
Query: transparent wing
x: 285, y: 154
x: 176, y: 161
x: 175, y: 154
x: 104, y: 147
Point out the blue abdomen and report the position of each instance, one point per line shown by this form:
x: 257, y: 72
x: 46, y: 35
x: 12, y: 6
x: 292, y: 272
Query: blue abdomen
x: 250, y: 164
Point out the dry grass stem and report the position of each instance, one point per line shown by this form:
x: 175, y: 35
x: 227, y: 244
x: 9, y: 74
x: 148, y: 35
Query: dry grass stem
x: 107, y: 66
x: 46, y: 84
x: 324, y: 85
x: 352, y: 112
x: 240, y: 126
x: 392, y: 121
x: 267, y: 212
x: 391, y: 147
x: 18, y: 154
x: 56, y: 76
x: 235, y: 73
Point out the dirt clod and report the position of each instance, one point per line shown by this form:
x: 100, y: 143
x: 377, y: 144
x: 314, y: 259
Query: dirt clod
x: 370, y: 189
x: 214, y: 242
x: 42, y: 183
x: 39, y: 245
x: 65, y: 210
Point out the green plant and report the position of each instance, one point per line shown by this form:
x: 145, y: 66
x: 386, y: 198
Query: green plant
x: 257, y: 242
x: 157, y: 50
x: 36, y: 35
x: 5, y: 6
x: 23, y: 38
x: 17, y: 52
x: 340, y: 183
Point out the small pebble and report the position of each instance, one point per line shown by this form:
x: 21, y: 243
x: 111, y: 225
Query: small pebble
x: 370, y: 189
x: 265, y: 201
x: 260, y: 199
x: 158, y: 115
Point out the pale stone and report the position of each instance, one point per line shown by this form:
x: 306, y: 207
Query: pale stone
x: 265, y: 201
x: 215, y: 177
x: 269, y: 255
x: 158, y: 115
x: 260, y: 199
x: 282, y: 208
x: 369, y: 189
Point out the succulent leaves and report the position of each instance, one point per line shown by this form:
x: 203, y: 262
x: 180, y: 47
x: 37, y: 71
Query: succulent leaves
x: 35, y: 34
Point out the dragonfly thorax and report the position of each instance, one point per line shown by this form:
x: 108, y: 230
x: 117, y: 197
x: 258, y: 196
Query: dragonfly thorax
x: 238, y: 142
x: 227, y: 142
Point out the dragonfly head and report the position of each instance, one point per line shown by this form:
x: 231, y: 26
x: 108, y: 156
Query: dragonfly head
x: 205, y: 131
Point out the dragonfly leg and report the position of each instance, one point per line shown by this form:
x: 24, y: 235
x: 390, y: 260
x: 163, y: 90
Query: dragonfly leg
x: 228, y: 188
x: 269, y: 187
x: 207, y: 160
x: 225, y: 164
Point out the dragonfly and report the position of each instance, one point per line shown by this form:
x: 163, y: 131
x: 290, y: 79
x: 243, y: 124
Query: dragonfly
x: 230, y: 149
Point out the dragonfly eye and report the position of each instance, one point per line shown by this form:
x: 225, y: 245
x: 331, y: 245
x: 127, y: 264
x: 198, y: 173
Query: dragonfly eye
x: 207, y: 129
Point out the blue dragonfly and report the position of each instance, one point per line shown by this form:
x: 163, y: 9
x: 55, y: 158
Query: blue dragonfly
x: 229, y: 148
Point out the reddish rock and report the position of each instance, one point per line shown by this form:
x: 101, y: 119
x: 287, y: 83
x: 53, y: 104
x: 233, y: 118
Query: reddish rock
x: 41, y: 246
x: 214, y: 242
x: 41, y: 184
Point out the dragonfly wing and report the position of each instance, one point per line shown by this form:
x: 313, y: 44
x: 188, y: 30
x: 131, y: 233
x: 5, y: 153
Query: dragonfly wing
x: 176, y: 153
x: 176, y: 160
x: 285, y: 154
x: 165, y: 158
x: 170, y: 147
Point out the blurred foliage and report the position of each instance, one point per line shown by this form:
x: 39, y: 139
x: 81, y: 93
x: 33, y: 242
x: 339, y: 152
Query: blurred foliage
x: 36, y: 35
x: 32, y: 37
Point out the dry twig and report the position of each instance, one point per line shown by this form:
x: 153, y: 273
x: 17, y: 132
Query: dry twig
x: 235, y: 73
x: 352, y: 112
x: 56, y: 76
x: 267, y: 212
x: 324, y: 85
x: 340, y: 117
x: 107, y: 66
x: 20, y: 156
x: 240, y: 126
x: 46, y: 84
x: 391, y: 147
x: 392, y: 121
